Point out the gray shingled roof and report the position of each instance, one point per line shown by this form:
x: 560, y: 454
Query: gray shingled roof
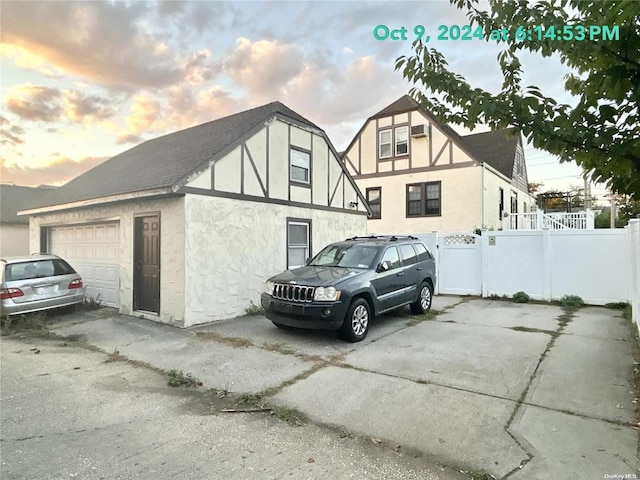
x: 497, y: 148
x: 164, y: 161
x: 15, y: 197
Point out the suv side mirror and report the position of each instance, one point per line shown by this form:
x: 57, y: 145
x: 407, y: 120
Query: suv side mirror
x: 308, y: 261
x: 384, y: 266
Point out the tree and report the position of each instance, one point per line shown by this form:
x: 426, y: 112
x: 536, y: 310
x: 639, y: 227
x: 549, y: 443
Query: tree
x: 600, y: 132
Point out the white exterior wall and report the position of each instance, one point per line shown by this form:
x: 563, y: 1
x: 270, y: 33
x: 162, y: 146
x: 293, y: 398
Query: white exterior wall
x: 14, y: 239
x: 233, y: 246
x: 633, y: 231
x: 493, y: 181
x: 460, y: 207
x: 172, y: 247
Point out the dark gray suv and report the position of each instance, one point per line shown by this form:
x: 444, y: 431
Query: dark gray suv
x: 348, y: 283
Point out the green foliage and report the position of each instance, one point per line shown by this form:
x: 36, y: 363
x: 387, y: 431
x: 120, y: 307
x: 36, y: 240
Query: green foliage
x: 180, y: 379
x: 254, y: 309
x: 598, y: 132
x: 572, y: 302
x: 521, y: 297
x: 603, y: 220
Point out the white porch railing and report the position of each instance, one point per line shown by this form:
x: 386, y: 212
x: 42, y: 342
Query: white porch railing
x: 553, y: 221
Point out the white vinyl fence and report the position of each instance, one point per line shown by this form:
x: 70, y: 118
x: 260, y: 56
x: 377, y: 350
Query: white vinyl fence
x: 601, y: 266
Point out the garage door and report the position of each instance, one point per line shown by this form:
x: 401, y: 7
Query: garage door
x: 92, y: 250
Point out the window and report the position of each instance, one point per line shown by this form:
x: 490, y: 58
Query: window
x: 393, y: 142
x: 402, y: 141
x: 423, y: 253
x: 384, y: 143
x: 350, y: 256
x: 298, y: 242
x: 300, y: 166
x: 409, y: 256
x: 391, y: 256
x: 424, y: 199
x: 374, y: 199
x: 501, y: 205
x: 36, y: 269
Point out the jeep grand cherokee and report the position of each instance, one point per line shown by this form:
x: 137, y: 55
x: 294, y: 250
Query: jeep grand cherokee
x: 349, y: 283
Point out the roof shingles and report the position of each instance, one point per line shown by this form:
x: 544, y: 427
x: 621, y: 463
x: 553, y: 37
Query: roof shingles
x: 162, y: 162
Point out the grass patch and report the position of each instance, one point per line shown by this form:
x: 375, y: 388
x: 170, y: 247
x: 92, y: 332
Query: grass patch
x: 233, y: 341
x: 180, y: 379
x: 290, y: 415
x: 425, y: 317
x: 254, y: 399
x: 254, y: 309
x: 480, y: 475
x: 279, y: 348
x: 23, y: 323
x: 572, y: 302
x: 533, y: 330
x: 521, y: 297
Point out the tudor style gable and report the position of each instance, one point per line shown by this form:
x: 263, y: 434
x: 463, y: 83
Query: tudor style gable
x: 403, y: 138
x: 282, y: 162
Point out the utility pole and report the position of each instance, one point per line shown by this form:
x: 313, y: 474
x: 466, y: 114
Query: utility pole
x: 587, y: 192
x: 613, y: 211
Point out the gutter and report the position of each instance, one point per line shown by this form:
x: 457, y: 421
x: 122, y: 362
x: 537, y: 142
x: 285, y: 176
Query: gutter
x: 98, y: 201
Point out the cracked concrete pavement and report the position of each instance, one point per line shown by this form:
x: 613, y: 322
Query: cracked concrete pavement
x: 515, y: 390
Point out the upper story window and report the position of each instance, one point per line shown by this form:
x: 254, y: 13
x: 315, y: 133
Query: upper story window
x: 374, y: 199
x: 300, y: 166
x: 424, y: 199
x: 402, y: 141
x: 384, y: 143
x: 393, y: 142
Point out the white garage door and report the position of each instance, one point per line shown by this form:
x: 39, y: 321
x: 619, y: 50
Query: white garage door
x: 92, y: 250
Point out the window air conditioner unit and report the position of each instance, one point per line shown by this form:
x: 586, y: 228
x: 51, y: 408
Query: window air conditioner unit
x: 419, y: 131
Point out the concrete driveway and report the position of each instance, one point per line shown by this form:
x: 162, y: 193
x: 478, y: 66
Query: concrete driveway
x: 515, y: 390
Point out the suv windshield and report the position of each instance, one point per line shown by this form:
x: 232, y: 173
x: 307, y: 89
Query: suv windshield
x: 347, y: 256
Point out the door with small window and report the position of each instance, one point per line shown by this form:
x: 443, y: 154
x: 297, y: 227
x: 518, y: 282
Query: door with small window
x: 298, y: 242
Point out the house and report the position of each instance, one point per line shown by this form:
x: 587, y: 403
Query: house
x: 421, y: 176
x: 14, y: 229
x: 186, y: 228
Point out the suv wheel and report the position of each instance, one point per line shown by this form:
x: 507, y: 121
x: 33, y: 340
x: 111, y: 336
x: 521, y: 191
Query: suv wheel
x: 356, y: 322
x: 423, y: 303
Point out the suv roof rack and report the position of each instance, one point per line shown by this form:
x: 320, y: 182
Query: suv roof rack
x: 391, y: 238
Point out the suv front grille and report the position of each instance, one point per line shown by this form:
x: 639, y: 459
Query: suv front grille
x: 293, y: 293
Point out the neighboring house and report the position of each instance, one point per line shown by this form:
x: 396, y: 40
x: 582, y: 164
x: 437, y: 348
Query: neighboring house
x: 421, y: 176
x: 14, y: 229
x: 186, y: 228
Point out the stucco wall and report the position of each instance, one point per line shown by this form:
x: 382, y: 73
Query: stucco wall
x: 232, y: 247
x: 14, y: 239
x: 172, y: 243
x: 460, y: 208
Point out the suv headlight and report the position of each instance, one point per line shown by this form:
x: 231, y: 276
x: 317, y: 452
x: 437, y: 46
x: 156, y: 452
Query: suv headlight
x: 268, y: 287
x: 326, y: 294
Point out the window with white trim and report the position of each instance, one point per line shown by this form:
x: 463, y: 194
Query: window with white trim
x: 384, y: 143
x: 300, y: 166
x: 298, y: 242
x: 402, y: 141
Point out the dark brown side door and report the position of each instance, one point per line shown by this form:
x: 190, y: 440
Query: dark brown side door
x: 146, y: 277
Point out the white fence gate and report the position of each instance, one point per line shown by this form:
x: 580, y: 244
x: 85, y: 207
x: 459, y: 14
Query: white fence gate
x: 459, y: 264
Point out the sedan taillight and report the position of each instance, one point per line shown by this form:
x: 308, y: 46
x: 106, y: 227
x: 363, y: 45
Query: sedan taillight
x: 6, y: 293
x: 77, y: 283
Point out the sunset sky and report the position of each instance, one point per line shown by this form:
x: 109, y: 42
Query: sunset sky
x: 84, y: 81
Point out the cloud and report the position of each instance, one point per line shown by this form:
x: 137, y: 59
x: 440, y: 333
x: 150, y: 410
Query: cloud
x: 101, y: 41
x: 39, y: 103
x: 128, y: 138
x: 32, y: 102
x: 264, y: 66
x: 86, y: 109
x: 181, y: 107
x: 59, y: 171
x: 10, y: 134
